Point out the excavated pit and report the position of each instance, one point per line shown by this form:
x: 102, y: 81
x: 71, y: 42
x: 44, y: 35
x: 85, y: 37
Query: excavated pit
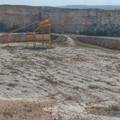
x: 62, y: 83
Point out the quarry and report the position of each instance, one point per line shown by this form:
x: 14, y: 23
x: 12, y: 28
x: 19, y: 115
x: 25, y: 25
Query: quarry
x: 70, y: 76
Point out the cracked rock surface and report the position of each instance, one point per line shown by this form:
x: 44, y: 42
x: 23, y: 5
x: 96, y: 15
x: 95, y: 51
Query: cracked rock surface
x: 73, y: 83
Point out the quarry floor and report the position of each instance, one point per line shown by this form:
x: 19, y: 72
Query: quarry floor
x: 62, y: 83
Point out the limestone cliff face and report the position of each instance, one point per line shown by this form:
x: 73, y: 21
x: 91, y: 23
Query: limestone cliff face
x: 18, y: 15
x: 89, y: 21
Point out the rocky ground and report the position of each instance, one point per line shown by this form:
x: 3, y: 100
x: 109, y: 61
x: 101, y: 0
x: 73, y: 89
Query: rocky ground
x: 72, y: 82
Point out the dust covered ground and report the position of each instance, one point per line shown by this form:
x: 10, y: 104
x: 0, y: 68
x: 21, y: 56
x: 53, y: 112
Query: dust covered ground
x: 73, y: 82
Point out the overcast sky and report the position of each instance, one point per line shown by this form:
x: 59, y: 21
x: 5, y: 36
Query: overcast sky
x: 60, y: 2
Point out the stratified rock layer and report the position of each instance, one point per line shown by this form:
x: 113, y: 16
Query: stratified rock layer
x: 89, y: 21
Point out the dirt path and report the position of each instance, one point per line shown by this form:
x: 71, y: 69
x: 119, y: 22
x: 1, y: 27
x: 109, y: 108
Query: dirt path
x: 70, y: 41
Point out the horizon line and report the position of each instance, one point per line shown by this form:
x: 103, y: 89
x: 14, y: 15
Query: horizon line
x: 57, y: 5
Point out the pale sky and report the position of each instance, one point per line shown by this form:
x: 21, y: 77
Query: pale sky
x: 60, y: 2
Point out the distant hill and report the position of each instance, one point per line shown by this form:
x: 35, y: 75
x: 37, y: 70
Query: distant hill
x: 105, y: 7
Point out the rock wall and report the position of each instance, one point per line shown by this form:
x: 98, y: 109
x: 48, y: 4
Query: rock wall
x: 89, y: 21
x: 21, y: 37
x: 107, y: 42
x: 15, y: 37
